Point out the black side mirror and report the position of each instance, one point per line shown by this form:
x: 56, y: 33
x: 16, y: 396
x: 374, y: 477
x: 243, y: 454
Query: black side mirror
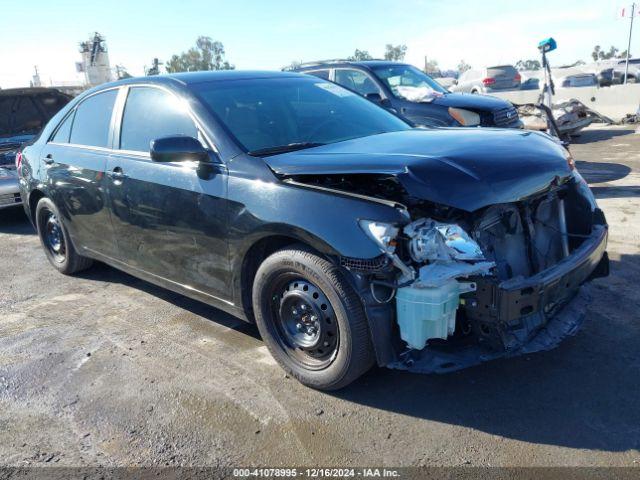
x: 178, y: 148
x: 374, y: 97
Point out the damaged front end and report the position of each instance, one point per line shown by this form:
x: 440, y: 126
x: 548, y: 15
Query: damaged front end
x: 467, y: 287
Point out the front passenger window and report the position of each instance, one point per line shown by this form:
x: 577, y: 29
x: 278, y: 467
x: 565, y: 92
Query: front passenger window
x: 152, y: 113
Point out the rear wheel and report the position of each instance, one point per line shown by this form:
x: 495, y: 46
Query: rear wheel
x: 55, y: 240
x: 311, y: 319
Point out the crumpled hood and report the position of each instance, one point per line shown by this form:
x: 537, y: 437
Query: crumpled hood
x: 463, y: 168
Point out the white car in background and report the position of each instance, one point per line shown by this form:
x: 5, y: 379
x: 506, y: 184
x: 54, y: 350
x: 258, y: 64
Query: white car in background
x: 488, y: 80
x: 574, y: 78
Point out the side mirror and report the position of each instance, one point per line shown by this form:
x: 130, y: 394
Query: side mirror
x: 374, y: 97
x: 179, y: 148
x: 455, y: 81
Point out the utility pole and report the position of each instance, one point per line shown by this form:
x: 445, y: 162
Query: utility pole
x: 626, y: 67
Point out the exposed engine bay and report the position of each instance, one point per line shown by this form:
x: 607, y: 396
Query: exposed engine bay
x: 476, y: 281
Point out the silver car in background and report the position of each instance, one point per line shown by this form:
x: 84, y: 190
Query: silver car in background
x: 23, y: 113
x: 9, y: 190
x: 488, y: 80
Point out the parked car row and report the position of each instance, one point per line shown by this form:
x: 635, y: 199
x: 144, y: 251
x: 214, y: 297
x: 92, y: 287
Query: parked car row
x: 414, y: 95
x: 348, y: 236
x: 23, y: 114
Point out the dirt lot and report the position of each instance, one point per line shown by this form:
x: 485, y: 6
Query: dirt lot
x: 104, y: 369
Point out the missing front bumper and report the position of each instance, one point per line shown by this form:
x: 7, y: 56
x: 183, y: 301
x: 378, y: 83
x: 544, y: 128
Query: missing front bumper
x: 534, y: 314
x: 565, y: 324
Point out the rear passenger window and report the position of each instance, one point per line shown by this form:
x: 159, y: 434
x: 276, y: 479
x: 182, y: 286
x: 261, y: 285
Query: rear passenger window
x: 92, y: 120
x: 151, y: 113
x: 64, y: 131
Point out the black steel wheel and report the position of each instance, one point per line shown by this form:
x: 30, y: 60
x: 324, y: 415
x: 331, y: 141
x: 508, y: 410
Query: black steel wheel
x: 311, y: 319
x: 55, y: 241
x: 306, y: 322
x: 53, y: 238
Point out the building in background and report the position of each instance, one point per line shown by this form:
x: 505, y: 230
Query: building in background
x: 95, y: 61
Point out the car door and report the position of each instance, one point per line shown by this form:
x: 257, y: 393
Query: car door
x: 75, y: 159
x: 170, y: 220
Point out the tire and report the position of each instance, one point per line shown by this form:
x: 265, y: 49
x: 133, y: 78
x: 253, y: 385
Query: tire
x: 55, y: 240
x: 338, y: 350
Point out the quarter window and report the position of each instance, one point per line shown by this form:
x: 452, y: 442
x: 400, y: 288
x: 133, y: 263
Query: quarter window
x: 64, y: 131
x: 356, y: 81
x: 324, y: 74
x: 152, y: 113
x: 92, y: 120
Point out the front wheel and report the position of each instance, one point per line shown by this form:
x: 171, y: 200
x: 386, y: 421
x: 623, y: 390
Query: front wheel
x: 311, y: 319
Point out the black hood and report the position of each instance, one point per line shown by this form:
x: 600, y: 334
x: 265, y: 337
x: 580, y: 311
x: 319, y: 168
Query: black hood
x: 463, y: 168
x: 477, y: 103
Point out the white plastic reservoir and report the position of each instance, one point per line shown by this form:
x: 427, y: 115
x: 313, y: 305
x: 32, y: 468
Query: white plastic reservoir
x: 427, y: 312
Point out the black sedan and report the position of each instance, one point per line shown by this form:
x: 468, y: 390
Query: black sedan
x: 414, y: 95
x: 349, y: 237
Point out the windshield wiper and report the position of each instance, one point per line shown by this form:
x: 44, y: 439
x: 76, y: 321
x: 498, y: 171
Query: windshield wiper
x: 289, y: 147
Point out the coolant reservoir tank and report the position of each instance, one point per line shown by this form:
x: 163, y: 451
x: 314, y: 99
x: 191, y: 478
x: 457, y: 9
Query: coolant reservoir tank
x: 427, y: 312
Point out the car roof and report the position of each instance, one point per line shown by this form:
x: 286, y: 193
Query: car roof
x: 357, y: 63
x: 28, y: 91
x: 192, y: 78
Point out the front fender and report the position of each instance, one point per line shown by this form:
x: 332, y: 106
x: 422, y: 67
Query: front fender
x: 326, y: 220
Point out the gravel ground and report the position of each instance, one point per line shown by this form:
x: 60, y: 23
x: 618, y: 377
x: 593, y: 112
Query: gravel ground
x: 105, y: 369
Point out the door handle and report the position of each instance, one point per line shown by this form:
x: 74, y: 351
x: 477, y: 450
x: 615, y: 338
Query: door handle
x: 117, y: 174
x: 48, y: 160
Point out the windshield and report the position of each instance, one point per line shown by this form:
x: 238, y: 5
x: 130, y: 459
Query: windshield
x: 406, y: 81
x: 273, y: 115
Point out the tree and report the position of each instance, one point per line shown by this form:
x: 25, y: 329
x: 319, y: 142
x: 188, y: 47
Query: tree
x: 431, y: 67
x: 528, y: 65
x: 360, y: 55
x: 463, y: 67
x: 395, y: 53
x: 206, y: 55
x: 599, y: 54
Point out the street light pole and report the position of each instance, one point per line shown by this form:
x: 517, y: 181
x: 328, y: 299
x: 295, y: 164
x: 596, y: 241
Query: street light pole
x: 626, y: 67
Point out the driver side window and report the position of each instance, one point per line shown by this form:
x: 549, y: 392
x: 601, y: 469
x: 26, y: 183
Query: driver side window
x: 356, y: 81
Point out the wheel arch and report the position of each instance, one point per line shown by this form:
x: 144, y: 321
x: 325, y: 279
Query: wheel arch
x: 34, y: 197
x: 258, y: 250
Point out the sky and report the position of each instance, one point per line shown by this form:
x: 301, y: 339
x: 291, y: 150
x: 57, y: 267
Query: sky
x: 269, y: 34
